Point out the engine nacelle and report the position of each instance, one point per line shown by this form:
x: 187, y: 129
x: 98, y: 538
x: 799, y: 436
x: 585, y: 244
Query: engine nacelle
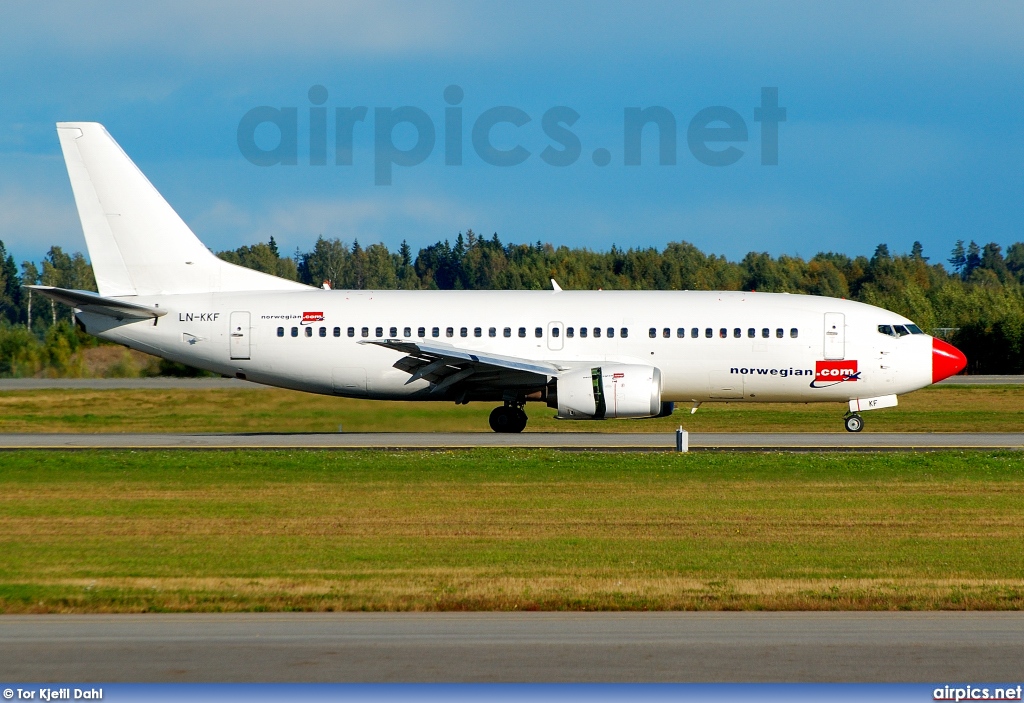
x: 616, y: 390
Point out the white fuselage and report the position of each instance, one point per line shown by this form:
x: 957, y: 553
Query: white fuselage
x: 754, y: 347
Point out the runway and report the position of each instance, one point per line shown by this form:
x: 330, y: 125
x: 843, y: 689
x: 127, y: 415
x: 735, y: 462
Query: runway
x: 424, y: 647
x: 553, y: 440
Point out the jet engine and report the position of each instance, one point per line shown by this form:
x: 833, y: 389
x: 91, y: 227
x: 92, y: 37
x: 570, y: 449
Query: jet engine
x: 616, y: 390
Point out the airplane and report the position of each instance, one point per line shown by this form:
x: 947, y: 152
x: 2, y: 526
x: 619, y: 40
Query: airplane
x: 589, y: 355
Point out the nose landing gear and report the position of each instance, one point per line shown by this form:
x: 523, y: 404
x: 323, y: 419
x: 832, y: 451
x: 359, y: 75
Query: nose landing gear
x: 853, y: 422
x: 508, y: 418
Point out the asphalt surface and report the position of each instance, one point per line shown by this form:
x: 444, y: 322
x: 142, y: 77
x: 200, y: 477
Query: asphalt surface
x: 169, y: 383
x: 554, y: 440
x: 456, y: 647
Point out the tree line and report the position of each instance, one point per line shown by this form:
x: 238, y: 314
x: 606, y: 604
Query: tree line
x: 974, y: 297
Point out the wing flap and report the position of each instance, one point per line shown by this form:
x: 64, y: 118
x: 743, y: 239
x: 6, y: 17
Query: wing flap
x: 460, y: 357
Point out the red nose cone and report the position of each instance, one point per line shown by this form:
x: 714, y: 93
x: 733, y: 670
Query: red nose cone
x: 947, y: 360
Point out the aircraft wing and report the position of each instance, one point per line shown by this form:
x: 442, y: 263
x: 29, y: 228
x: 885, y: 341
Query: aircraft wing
x: 446, y: 366
x: 87, y: 301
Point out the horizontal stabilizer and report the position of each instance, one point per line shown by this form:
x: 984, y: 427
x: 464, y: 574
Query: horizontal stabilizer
x: 87, y: 301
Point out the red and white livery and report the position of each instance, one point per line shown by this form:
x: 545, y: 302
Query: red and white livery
x: 588, y: 354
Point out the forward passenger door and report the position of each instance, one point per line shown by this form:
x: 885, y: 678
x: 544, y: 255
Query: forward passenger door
x: 835, y: 336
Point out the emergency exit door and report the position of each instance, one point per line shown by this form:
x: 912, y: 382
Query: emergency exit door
x: 555, y: 332
x: 239, y: 344
x: 835, y: 336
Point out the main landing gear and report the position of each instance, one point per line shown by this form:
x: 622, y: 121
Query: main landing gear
x: 853, y: 422
x: 508, y: 418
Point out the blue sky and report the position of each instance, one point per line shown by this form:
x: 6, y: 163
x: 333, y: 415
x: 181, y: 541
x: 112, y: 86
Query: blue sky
x: 904, y: 121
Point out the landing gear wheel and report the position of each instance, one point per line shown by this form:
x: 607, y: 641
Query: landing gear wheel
x: 520, y: 420
x: 507, y: 419
x: 854, y: 423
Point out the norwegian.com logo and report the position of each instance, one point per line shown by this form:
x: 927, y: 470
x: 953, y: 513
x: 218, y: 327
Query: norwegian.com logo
x: 309, y: 318
x: 829, y: 373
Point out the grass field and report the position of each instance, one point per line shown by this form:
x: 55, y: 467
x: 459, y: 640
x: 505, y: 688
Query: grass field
x: 936, y: 409
x: 101, y: 531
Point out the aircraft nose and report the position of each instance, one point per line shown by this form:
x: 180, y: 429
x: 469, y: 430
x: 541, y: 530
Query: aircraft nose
x: 947, y: 360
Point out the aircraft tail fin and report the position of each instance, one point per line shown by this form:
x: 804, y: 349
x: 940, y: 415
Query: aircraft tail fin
x: 137, y: 243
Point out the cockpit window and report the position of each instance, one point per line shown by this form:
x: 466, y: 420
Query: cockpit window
x: 899, y: 330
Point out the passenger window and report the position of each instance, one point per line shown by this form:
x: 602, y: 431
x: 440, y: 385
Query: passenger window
x: 708, y: 332
x: 309, y: 331
x: 435, y: 331
x: 681, y: 332
x: 666, y: 333
x: 477, y: 332
x: 421, y: 331
x: 379, y: 331
x: 463, y: 332
x: 280, y: 331
x: 449, y: 331
x: 597, y: 332
x: 570, y: 332
x: 323, y: 331
x: 751, y: 333
x: 583, y: 332
x: 779, y: 333
x: 295, y: 331
x: 624, y: 332
x: 554, y: 331
x: 507, y: 331
x: 351, y: 331
x: 538, y: 332
x: 611, y: 331
x: 393, y: 332
x: 737, y: 333
x: 652, y: 333
x: 407, y: 332
x: 723, y: 333
x: 492, y: 331
x: 522, y: 331
x: 765, y: 333
x: 695, y: 332
x: 794, y: 332
x: 337, y: 331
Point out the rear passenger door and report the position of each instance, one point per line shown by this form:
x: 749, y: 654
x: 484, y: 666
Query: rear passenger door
x: 240, y: 336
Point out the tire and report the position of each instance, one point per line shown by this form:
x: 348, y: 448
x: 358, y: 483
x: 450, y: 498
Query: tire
x: 854, y: 423
x: 506, y: 419
x: 520, y: 421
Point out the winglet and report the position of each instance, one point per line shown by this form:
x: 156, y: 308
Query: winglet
x: 554, y: 285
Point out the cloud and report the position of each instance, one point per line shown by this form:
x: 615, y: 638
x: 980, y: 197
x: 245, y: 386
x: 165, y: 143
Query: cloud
x: 236, y: 27
x: 325, y: 28
x: 31, y: 223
